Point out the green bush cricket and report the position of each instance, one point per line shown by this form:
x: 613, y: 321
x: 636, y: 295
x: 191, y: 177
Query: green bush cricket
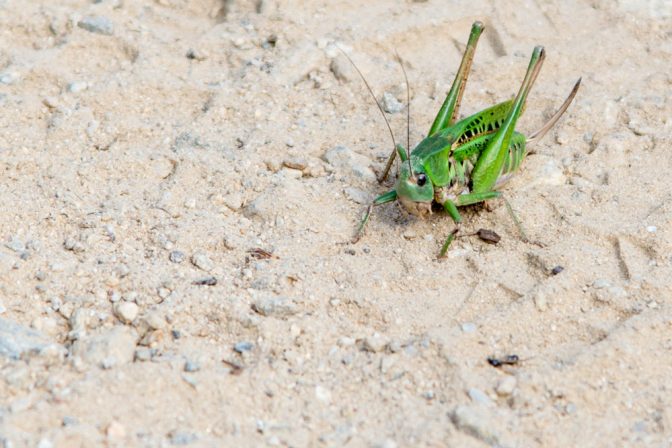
x: 463, y: 162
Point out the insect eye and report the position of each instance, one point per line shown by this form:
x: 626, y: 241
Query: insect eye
x: 422, y: 179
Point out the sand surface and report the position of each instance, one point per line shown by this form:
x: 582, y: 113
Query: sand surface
x: 180, y: 180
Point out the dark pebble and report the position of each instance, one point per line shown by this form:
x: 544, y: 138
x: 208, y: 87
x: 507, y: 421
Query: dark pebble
x: 205, y: 281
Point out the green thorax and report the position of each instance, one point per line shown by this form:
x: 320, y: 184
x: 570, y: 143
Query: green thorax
x: 448, y: 155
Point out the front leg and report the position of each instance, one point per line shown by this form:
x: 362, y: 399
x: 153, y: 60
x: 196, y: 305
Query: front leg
x: 451, y: 208
x: 382, y: 199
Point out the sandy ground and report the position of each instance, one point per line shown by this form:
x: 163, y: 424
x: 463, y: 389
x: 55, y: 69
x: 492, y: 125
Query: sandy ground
x: 154, y: 153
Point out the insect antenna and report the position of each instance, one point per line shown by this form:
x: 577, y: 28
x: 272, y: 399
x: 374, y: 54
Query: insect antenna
x: 554, y: 119
x: 408, y: 113
x: 368, y: 87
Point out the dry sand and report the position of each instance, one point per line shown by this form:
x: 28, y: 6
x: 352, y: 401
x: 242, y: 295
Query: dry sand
x: 147, y: 146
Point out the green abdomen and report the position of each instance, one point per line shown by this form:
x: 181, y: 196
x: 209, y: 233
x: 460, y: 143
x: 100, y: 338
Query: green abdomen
x: 447, y: 170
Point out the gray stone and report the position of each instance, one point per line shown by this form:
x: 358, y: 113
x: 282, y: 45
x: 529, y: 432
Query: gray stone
x: 77, y: 86
x: 390, y: 104
x: 193, y: 366
x: 110, y: 348
x: 201, y: 261
x: 477, y: 422
x: 79, y: 321
x: 540, y: 300
x: 97, y: 24
x: 73, y: 245
x: 342, y: 68
x: 45, y: 443
x: 154, y: 320
x: 358, y: 196
x: 177, y: 256
x: 348, y: 162
x: 479, y: 397
x: 182, y: 437
x: 16, y: 245
x: 144, y: 354
x: 374, y: 344
x: 9, y: 78
x: 469, y: 327
x: 243, y: 346
x: 17, y: 340
x: 275, y: 307
x: 601, y: 283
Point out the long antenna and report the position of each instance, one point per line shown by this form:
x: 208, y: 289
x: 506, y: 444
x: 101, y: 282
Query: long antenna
x: 554, y: 119
x: 368, y: 87
x: 408, y: 114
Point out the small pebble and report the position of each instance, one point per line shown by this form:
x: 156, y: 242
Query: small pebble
x: 45, y: 443
x: 77, y: 86
x: 177, y: 256
x: 357, y: 196
x: 506, y: 385
x: 651, y: 229
x: 143, y: 354
x: 478, y: 396
x: 197, y: 54
x: 323, y: 394
x: 468, y: 327
x: 342, y: 68
x: 390, y: 104
x: 8, y: 78
x: 346, y: 161
x: 73, y: 245
x: 410, y: 235
x: 115, y: 431
x: 540, y: 300
x: 275, y: 307
x: 97, y: 24
x: 15, y: 245
x: 69, y: 420
x: 205, y: 281
x: 114, y: 296
x: 556, y: 270
x: 201, y: 261
x: 601, y: 283
x: 374, y: 344
x: 295, y: 163
x: 243, y: 346
x: 488, y: 236
x: 192, y: 366
x: 477, y: 422
x: 110, y: 348
x: 182, y: 438
x: 345, y: 341
x: 126, y: 311
x: 155, y: 320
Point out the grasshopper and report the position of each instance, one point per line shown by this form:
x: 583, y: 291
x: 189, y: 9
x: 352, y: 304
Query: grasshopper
x: 464, y: 162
